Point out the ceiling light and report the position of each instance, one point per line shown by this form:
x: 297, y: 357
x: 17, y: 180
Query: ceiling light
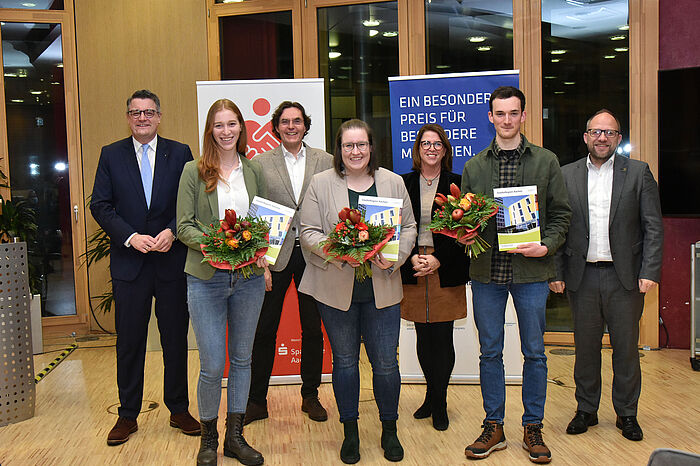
x: 622, y: 49
x: 17, y: 101
x: 609, y: 56
x: 627, y: 148
x: 477, y: 39
x: 332, y: 55
x: 555, y: 60
x: 443, y: 67
x: 29, y: 5
x: 370, y: 23
x: 60, y: 65
x: 390, y: 34
x: 569, y: 83
x: 618, y: 38
x: 558, y: 52
x: 550, y: 77
x: 626, y: 27
x: 484, y: 48
x: 232, y: 1
x: 10, y: 75
x: 558, y: 92
x: 36, y: 92
x: 56, y: 83
x: 373, y: 32
x: 60, y: 166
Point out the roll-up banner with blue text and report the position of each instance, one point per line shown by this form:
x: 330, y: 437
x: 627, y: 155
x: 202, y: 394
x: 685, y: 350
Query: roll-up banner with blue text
x: 459, y: 102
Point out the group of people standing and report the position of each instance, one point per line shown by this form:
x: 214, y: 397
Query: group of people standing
x: 151, y: 198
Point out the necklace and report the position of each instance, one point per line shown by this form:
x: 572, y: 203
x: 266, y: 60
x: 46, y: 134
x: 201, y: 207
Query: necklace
x: 430, y: 181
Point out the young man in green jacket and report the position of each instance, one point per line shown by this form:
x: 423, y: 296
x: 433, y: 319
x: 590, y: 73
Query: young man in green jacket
x: 509, y: 161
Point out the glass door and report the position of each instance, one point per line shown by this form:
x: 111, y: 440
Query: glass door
x: 42, y: 203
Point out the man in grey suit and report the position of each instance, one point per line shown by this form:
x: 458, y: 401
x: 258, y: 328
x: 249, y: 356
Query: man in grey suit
x: 288, y: 170
x: 612, y: 256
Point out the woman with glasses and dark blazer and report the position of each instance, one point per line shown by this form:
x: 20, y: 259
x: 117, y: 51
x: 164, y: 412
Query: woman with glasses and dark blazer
x: 436, y: 273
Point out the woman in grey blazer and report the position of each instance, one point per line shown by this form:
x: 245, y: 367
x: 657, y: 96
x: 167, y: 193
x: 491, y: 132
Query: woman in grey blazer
x: 351, y: 310
x: 221, y: 179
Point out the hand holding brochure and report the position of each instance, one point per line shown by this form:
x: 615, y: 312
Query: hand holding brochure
x: 384, y: 211
x: 518, y: 217
x: 278, y: 217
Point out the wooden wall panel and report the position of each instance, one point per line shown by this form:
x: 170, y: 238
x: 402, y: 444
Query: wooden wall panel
x: 128, y: 45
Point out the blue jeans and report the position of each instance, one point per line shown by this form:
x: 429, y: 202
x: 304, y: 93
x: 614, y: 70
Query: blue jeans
x: 530, y: 300
x: 379, y: 328
x: 225, y: 298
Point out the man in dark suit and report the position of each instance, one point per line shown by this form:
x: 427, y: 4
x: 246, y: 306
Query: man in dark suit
x: 612, y: 256
x: 133, y: 200
x: 288, y: 170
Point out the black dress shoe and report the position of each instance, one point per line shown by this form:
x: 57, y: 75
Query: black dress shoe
x: 579, y: 424
x: 630, y: 427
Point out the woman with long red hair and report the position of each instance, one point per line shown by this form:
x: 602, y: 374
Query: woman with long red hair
x: 222, y: 178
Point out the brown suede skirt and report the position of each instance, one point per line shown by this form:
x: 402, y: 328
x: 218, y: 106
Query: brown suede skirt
x: 427, y: 302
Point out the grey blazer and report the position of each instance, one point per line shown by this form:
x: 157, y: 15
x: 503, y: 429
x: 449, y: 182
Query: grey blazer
x: 194, y: 204
x: 279, y: 189
x: 332, y: 282
x: 635, y: 226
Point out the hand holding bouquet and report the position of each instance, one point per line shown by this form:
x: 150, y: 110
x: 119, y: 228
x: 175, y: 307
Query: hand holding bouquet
x: 235, y: 243
x: 462, y: 216
x: 354, y: 240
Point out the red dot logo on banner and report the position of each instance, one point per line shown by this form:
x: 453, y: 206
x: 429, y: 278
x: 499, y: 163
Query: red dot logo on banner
x: 260, y: 135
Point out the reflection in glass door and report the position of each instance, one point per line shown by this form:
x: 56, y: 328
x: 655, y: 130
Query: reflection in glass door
x: 32, y: 58
x: 358, y: 50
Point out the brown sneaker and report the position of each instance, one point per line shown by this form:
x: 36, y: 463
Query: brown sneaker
x: 121, y: 431
x: 313, y: 407
x: 186, y: 423
x: 533, y: 443
x: 490, y: 440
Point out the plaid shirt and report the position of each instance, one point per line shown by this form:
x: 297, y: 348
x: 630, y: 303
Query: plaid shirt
x: 501, y: 261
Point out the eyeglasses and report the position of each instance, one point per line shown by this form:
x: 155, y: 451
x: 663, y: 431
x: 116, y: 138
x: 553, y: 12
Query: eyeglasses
x: 148, y: 113
x: 595, y: 132
x: 349, y: 146
x: 437, y: 145
x: 294, y: 122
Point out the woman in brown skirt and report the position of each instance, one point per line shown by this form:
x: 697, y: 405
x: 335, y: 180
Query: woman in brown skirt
x: 435, y: 276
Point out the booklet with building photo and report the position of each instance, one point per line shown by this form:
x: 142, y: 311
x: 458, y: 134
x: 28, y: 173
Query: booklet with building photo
x: 278, y: 217
x: 518, y: 217
x: 384, y: 211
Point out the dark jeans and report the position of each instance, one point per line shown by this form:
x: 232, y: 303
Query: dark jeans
x: 132, y: 312
x: 436, y: 355
x: 265, y: 345
x: 379, y: 329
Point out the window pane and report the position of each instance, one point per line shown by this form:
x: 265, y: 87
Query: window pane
x: 38, y: 156
x: 33, y: 4
x: 358, y: 50
x: 469, y: 35
x: 256, y: 46
x: 585, y: 67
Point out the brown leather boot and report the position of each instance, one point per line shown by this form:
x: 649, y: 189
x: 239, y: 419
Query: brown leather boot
x: 491, y: 439
x: 534, y: 444
x: 235, y: 445
x: 208, y: 443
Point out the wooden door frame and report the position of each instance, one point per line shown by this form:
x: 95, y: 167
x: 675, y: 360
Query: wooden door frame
x: 78, y: 323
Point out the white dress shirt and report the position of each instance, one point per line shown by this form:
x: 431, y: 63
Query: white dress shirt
x: 600, y: 182
x: 232, y: 193
x: 152, y: 144
x: 296, y: 167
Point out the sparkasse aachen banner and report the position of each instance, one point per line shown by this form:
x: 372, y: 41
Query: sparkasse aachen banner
x: 459, y: 102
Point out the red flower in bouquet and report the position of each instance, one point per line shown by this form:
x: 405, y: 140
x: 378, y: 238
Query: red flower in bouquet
x: 235, y: 243
x: 462, y: 216
x: 352, y: 238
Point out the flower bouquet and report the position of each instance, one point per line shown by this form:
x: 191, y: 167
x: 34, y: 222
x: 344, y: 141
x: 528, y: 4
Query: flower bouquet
x: 236, y: 243
x: 462, y: 216
x: 353, y: 238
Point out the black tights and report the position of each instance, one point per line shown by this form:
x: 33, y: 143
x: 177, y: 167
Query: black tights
x: 436, y: 355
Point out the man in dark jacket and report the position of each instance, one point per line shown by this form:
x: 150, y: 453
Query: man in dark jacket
x: 510, y: 161
x: 612, y: 256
